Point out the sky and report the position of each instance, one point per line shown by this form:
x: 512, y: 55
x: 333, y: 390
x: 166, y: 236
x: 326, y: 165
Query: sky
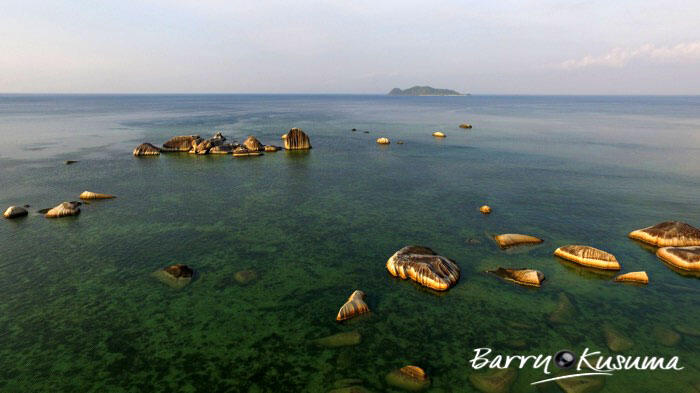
x: 358, y: 46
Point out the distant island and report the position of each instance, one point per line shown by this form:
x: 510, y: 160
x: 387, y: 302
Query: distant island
x: 423, y: 91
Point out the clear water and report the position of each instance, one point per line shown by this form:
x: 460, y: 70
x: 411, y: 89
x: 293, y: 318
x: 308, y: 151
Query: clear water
x: 80, y: 310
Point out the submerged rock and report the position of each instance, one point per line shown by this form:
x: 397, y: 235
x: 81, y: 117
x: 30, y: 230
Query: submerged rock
x: 94, y: 195
x: 585, y: 384
x: 616, y: 340
x: 588, y: 256
x: 439, y: 134
x: 176, y: 276
x: 241, y: 151
x: 688, y: 330
x: 253, y: 144
x: 514, y: 239
x: 486, y: 209
x: 297, y: 140
x: 494, y: 381
x: 465, y: 125
x: 245, y: 277
x: 354, y: 306
x: 14, y: 212
x: 399, y: 143
x: 344, y: 339
x: 383, y: 141
x: 63, y: 210
x: 529, y: 277
x: 666, y: 336
x: 411, y: 378
x: 146, y: 149
x: 635, y: 277
x: 181, y: 143
x: 685, y: 258
x: 668, y: 234
x: 424, y: 266
x: 564, y: 312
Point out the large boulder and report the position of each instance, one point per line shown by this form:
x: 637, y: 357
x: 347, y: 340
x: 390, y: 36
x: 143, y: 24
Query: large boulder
x: 181, y: 143
x: 424, y: 266
x: 176, y: 276
x: 63, y: 210
x: 296, y: 139
x: 354, y: 306
x: 515, y: 239
x: 685, y: 258
x: 253, y: 144
x: 588, y: 256
x: 94, y: 195
x: 15, y: 211
x: 668, y: 234
x: 146, y: 149
x: 411, y: 378
x: 528, y: 277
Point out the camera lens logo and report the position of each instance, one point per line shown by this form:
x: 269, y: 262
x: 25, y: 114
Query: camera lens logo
x: 564, y: 359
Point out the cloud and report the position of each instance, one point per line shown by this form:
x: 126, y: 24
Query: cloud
x: 620, y: 57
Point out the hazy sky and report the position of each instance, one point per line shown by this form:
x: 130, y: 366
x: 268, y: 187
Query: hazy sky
x: 353, y: 46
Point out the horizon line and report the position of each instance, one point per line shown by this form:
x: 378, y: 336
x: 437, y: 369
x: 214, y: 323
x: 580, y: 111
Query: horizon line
x: 347, y: 94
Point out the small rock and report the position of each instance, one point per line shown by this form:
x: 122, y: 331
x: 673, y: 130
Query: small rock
x: 15, y: 211
x: 344, y: 339
x: 63, y: 210
x: 465, y: 125
x: 411, y: 378
x: 271, y: 148
x: 399, y: 143
x: 634, y: 277
x: 666, y: 336
x: 354, y: 129
x: 616, y: 340
x: 354, y: 306
x: 514, y: 239
x: 146, y: 149
x: 241, y: 151
x: 494, y: 381
x: 176, y: 276
x: 439, y: 134
x: 245, y: 277
x: 588, y: 256
x: 383, y: 141
x: 94, y: 195
x: 564, y: 311
x: 486, y: 209
x: 70, y: 162
x: 528, y: 277
x: 688, y: 330
x: 366, y: 132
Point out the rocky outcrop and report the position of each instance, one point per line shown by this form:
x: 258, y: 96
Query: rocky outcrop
x: 354, y: 306
x: 176, y: 276
x: 486, y: 209
x: 253, y: 144
x: 439, y: 134
x: 94, y: 195
x: 146, y: 149
x: 684, y: 258
x: 241, y: 151
x: 344, y: 339
x: 494, y: 381
x: 528, y: 277
x: 588, y: 256
x: 296, y: 139
x: 635, y: 277
x: 668, y: 234
x: 181, y: 143
x: 383, y: 141
x: 424, y: 266
x: 15, y: 211
x: 411, y: 378
x: 63, y: 210
x: 515, y: 239
x: 465, y: 126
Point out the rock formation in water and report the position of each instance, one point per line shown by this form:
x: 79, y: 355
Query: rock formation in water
x: 344, y: 339
x: 181, y: 143
x: 15, y: 211
x: 439, y: 134
x: 424, y: 266
x: 635, y: 277
x: 146, y: 149
x: 94, y: 195
x: 494, y: 380
x: 465, y: 126
x: 296, y: 139
x: 529, y: 277
x: 253, y: 144
x: 486, y: 209
x: 685, y: 258
x: 354, y: 306
x: 383, y: 141
x: 668, y: 234
x: 423, y: 91
x: 63, y: 210
x: 411, y: 378
x: 241, y: 151
x: 588, y: 256
x: 176, y: 276
x: 70, y: 162
x: 514, y: 239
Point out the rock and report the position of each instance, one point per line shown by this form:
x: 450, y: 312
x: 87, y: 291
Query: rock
x: 344, y: 339
x: 486, y: 209
x: 253, y: 144
x: 399, y: 143
x: 297, y: 140
x: 366, y: 132
x: 529, y: 277
x: 70, y: 162
x: 666, y: 336
x: 271, y: 148
x: 494, y: 381
x: 181, y: 143
x: 514, y: 239
x: 176, y: 276
x: 284, y: 136
x: 63, y: 210
x: 219, y: 137
x: 245, y: 277
x: 222, y: 149
x: 616, y: 340
x: 94, y: 195
x: 465, y: 125
x: 354, y: 129
x: 439, y: 134
x: 411, y: 378
x: 146, y: 149
x: 564, y: 312
x: 241, y: 151
x: 635, y: 277
x: 688, y: 330
x: 424, y: 266
x: 588, y: 256
x: 354, y: 306
x: 15, y: 211
x: 685, y: 258
x: 585, y: 384
x: 383, y: 141
x: 668, y: 234
x: 202, y: 147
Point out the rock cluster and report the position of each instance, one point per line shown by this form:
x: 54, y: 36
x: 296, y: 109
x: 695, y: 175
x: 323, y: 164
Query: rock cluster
x: 194, y: 144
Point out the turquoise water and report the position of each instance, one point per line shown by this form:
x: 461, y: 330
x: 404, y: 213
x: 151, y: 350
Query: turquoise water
x: 80, y: 310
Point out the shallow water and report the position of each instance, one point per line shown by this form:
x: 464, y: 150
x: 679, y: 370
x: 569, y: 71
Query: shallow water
x: 81, y: 311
